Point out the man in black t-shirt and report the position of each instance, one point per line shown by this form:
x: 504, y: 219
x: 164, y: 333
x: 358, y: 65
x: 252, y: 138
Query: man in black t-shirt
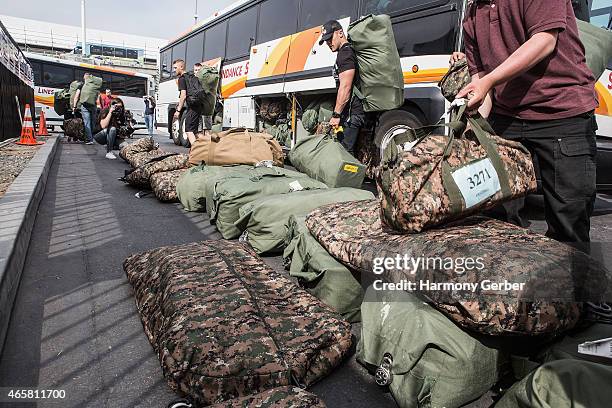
x: 348, y: 111
x: 192, y: 118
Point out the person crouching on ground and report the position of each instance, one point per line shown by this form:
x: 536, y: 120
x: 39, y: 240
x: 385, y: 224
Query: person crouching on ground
x: 115, y: 127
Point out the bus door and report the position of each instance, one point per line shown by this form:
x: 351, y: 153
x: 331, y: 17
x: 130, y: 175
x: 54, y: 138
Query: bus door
x: 267, y: 66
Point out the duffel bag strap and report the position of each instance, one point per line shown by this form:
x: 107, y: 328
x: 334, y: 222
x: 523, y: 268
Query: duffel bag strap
x: 491, y: 148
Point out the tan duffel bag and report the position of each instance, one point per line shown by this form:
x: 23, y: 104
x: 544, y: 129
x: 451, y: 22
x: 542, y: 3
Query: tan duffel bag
x: 235, y: 146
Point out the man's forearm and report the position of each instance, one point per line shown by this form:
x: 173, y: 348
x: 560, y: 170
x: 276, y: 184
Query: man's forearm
x: 344, y: 94
x: 181, y: 103
x: 538, y: 47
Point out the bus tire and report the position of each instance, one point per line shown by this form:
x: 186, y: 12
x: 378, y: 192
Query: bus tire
x: 393, y: 121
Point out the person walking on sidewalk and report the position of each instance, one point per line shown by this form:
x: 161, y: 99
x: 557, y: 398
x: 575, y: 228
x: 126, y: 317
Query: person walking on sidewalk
x: 192, y: 118
x: 348, y: 111
x: 149, y: 113
x: 526, y: 57
x: 88, y: 113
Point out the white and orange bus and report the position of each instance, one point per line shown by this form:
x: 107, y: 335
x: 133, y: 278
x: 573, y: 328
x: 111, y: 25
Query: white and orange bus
x: 52, y: 74
x: 269, y: 49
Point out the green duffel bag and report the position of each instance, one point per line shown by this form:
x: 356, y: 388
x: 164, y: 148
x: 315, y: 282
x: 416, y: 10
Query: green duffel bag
x: 560, y: 384
x: 424, y: 358
x: 90, y: 91
x: 380, y: 69
x: 597, y: 45
x: 323, y: 158
x: 61, y: 101
x: 229, y: 194
x: 264, y: 220
x: 319, y: 273
x: 326, y: 109
x: 72, y: 90
x: 197, y: 183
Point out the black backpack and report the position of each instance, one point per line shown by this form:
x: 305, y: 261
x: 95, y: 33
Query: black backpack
x: 196, y: 96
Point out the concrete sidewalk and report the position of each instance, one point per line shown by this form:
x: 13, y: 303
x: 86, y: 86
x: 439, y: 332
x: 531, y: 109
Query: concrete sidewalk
x: 75, y: 326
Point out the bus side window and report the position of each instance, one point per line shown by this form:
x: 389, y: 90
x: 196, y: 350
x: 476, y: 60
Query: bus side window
x: 277, y: 19
x: 392, y: 6
x: 55, y: 76
x: 431, y: 35
x: 316, y: 12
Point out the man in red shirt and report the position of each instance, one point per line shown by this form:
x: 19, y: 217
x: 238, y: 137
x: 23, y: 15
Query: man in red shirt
x: 529, y: 76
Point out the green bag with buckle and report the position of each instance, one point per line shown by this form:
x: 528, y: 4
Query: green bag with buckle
x: 597, y: 46
x: 320, y: 273
x: 90, y: 91
x: 264, y: 219
x: 423, y: 357
x: 323, y: 158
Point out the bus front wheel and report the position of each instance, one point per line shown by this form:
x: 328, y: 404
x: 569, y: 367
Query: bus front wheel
x: 393, y: 122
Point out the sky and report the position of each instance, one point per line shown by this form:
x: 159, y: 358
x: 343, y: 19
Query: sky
x: 153, y: 18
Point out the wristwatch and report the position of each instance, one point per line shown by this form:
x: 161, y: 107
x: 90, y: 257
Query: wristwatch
x: 335, y: 115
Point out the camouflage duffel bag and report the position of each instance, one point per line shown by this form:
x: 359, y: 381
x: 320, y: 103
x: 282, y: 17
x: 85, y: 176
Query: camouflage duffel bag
x: 455, y: 79
x: 146, y: 144
x: 74, y: 128
x: 138, y: 159
x: 225, y: 325
x: 164, y: 183
x: 427, y: 180
x: 140, y: 176
x: 319, y: 273
x: 458, y: 266
x: 231, y: 193
x: 424, y: 358
x: 264, y: 220
x: 281, y: 397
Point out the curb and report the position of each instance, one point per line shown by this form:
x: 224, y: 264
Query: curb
x: 18, y: 209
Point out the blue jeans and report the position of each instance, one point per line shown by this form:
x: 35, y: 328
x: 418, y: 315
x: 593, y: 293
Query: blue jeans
x: 88, y: 121
x: 107, y: 137
x: 149, y: 121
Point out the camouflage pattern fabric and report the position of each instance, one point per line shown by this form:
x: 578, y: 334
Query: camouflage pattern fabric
x: 146, y: 144
x: 415, y: 190
x: 556, y: 275
x: 164, y: 184
x: 281, y: 397
x: 271, y: 110
x: 138, y: 159
x: 225, y: 325
x: 74, y: 128
x: 367, y: 153
x: 140, y: 177
x: 455, y: 79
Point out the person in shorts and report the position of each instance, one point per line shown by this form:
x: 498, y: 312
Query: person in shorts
x: 191, y: 126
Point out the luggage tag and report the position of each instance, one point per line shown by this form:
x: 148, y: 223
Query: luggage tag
x: 477, y: 182
x: 599, y: 348
x: 295, y: 186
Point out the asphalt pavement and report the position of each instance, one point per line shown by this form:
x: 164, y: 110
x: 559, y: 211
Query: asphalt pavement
x: 75, y: 326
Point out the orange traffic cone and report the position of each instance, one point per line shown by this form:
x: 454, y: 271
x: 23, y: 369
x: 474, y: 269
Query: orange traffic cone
x: 27, y: 130
x: 42, y: 125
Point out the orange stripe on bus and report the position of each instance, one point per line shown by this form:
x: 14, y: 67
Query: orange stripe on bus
x: 45, y: 100
x: 232, y: 88
x: 277, y: 60
x: 301, y: 46
x: 605, y: 100
x: 425, y: 75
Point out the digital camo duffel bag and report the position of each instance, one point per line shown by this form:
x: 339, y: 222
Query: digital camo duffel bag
x: 231, y: 193
x: 323, y: 158
x: 424, y: 358
x: 263, y: 220
x: 465, y: 268
x: 145, y: 144
x: 456, y: 78
x: 235, y: 146
x: 281, y: 397
x: 138, y: 159
x: 426, y: 180
x: 164, y: 183
x: 140, y: 177
x: 319, y: 273
x: 74, y: 128
x: 225, y: 325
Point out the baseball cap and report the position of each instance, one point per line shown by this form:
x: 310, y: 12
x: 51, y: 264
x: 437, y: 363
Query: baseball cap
x: 328, y: 30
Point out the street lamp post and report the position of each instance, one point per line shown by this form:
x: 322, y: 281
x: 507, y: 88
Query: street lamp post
x: 83, y: 29
x: 195, y: 16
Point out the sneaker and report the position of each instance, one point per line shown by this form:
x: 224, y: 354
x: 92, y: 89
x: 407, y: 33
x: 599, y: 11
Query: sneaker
x: 110, y: 156
x: 89, y: 143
